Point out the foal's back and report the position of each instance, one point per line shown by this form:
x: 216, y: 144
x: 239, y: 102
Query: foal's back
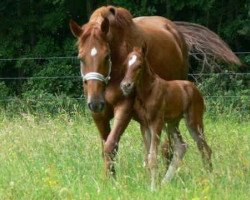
x: 181, y: 97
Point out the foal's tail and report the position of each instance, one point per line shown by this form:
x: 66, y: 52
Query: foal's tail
x: 204, y: 42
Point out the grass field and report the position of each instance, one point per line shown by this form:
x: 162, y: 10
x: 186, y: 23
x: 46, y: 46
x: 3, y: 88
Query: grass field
x: 43, y: 157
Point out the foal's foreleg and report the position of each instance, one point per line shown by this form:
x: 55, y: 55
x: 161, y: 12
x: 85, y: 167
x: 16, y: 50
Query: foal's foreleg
x: 146, y: 135
x: 155, y: 130
x: 179, y: 148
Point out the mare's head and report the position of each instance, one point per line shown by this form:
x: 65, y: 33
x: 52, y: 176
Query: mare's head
x: 134, y: 65
x: 105, y: 28
x: 94, y: 56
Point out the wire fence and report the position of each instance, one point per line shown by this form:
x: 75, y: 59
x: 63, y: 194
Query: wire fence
x: 79, y: 77
x: 75, y: 57
x: 194, y: 76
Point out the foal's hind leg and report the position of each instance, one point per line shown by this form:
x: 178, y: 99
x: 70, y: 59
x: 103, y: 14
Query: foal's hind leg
x: 195, y: 128
x: 179, y: 148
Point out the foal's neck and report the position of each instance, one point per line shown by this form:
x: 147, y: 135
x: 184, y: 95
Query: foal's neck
x: 146, y: 82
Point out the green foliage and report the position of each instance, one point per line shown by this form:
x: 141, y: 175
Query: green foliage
x: 4, y: 93
x: 41, y: 102
x: 226, y: 94
x: 65, y: 80
x: 40, y: 29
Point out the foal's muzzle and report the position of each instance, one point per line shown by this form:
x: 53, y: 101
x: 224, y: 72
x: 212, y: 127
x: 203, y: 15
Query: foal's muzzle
x: 126, y: 87
x: 96, y: 105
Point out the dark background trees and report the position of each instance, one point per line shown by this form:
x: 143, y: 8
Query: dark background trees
x: 39, y: 29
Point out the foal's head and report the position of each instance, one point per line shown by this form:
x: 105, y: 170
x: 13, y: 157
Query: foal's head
x: 94, y: 56
x: 134, y: 65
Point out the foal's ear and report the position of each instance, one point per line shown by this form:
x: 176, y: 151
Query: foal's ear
x: 105, y: 25
x: 75, y: 28
x: 144, y: 48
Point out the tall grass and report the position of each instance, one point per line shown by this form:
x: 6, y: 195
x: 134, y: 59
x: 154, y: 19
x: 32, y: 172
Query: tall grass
x: 59, y: 157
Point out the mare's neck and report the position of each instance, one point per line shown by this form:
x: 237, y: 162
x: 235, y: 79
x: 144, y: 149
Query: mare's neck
x: 146, y: 81
x: 121, y: 43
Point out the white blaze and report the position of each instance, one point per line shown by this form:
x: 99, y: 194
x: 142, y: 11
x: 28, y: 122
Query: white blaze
x: 93, y: 52
x: 132, y: 60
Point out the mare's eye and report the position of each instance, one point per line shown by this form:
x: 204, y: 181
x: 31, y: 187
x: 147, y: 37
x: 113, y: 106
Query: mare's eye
x: 82, y: 62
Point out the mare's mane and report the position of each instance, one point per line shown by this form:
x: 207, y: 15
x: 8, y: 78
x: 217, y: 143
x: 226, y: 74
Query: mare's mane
x: 118, y: 17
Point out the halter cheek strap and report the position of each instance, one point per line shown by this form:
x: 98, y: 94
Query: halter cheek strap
x: 97, y: 76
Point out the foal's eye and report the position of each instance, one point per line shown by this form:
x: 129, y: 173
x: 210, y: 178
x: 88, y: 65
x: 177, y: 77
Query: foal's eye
x: 107, y: 58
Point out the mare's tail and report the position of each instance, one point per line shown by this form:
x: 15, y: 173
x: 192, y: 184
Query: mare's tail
x: 204, y: 42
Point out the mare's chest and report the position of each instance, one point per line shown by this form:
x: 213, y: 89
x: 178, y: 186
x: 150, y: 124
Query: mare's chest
x: 113, y: 94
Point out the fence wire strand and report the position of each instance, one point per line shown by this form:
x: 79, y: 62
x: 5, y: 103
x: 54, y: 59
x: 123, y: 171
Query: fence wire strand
x: 194, y: 75
x: 75, y: 57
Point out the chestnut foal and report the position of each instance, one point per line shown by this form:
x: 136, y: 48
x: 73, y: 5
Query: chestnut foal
x: 158, y: 102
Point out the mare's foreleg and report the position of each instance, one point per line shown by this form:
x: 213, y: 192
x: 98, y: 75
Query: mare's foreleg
x: 102, y: 123
x: 179, y: 148
x: 122, y: 116
x: 167, y: 148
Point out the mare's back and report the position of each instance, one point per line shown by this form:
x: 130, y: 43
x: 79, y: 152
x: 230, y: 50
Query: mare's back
x: 167, y: 51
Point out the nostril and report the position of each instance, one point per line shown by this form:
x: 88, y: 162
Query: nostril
x: 102, y: 103
x: 96, y: 106
x: 125, y: 85
x: 128, y: 85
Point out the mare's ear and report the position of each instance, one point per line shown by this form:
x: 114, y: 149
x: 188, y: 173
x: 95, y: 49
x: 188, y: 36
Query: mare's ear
x: 75, y: 28
x: 144, y: 49
x: 105, y: 25
x: 112, y: 9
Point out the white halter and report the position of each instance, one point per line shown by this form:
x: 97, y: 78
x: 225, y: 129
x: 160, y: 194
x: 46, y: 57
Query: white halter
x: 97, y: 76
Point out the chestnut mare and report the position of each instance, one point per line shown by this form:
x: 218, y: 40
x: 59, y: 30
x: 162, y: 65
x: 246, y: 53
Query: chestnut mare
x: 157, y: 102
x: 103, y: 44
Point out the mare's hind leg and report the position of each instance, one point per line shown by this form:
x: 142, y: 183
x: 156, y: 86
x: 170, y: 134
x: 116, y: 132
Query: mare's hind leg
x: 195, y: 128
x: 179, y: 148
x: 167, y: 148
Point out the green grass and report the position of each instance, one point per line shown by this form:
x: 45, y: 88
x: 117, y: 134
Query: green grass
x: 43, y: 157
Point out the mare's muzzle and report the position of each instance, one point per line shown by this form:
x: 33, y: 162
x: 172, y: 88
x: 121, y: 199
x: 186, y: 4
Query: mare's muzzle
x: 96, y: 105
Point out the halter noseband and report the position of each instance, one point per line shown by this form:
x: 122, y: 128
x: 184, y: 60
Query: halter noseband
x: 97, y: 76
